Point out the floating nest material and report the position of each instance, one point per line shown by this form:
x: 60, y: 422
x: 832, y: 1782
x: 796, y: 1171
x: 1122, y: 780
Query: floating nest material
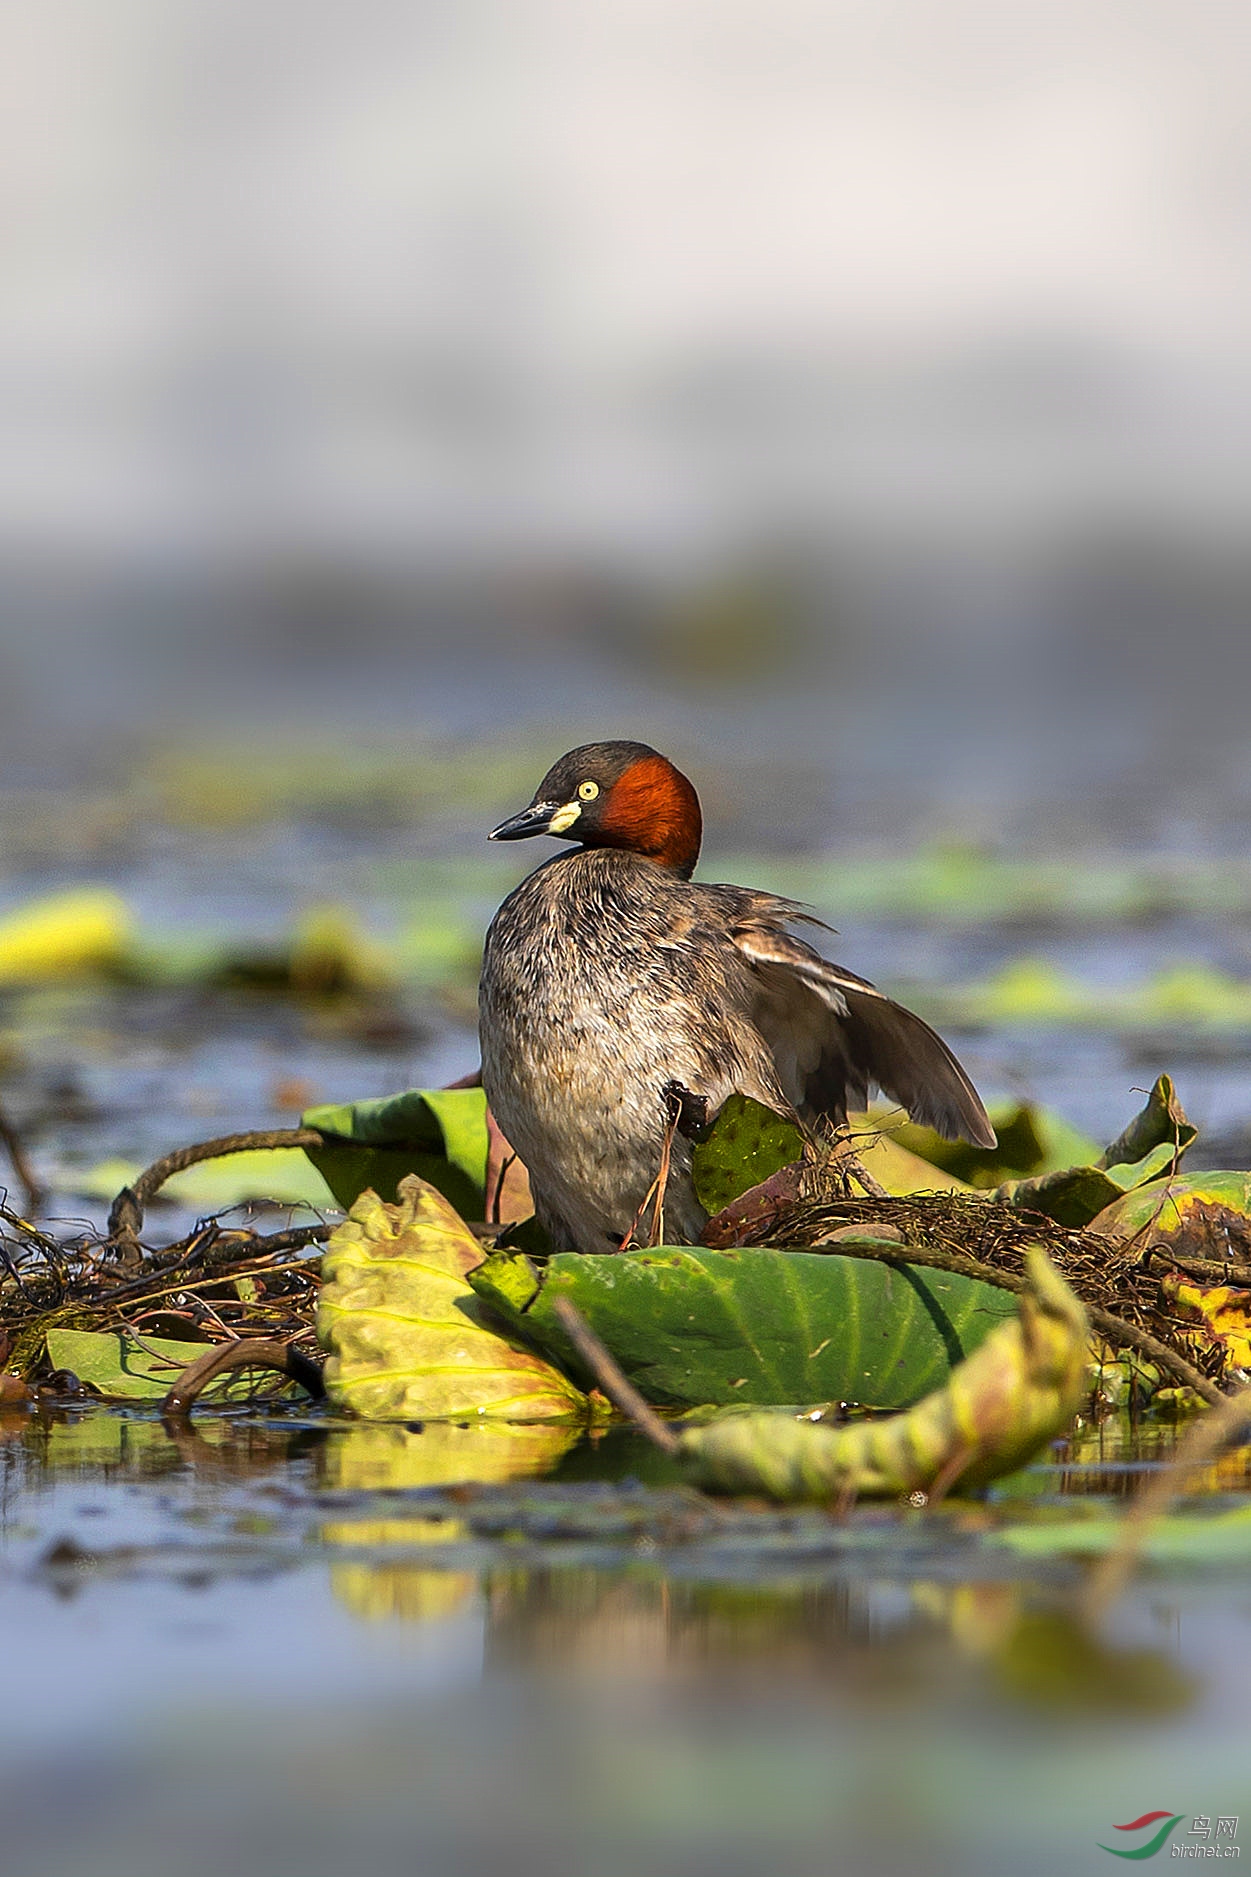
x: 220, y: 1283
x: 224, y: 1282
x: 1118, y: 1281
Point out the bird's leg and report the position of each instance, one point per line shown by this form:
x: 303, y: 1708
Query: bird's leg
x: 654, y: 1191
x: 680, y: 1105
x: 657, y: 1236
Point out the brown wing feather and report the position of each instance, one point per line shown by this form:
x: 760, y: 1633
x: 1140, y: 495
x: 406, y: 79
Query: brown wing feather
x: 835, y: 1036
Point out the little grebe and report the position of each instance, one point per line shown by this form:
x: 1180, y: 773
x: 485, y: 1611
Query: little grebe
x: 609, y: 978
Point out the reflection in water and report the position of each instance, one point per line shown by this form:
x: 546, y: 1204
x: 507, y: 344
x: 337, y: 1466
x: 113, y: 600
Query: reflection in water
x: 583, y: 1621
x: 649, y: 1626
x: 380, y: 1456
x: 384, y: 1458
x: 1047, y: 1657
x: 577, y: 1582
x: 865, y: 1640
x: 1106, y: 1457
x: 116, y: 1445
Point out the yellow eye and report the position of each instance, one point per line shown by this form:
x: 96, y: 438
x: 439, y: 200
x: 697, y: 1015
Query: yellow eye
x: 588, y: 790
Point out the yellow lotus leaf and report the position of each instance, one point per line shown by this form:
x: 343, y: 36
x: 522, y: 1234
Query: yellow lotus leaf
x: 406, y: 1337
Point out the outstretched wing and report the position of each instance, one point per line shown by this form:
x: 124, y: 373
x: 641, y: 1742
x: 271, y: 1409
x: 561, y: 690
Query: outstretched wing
x: 835, y: 1036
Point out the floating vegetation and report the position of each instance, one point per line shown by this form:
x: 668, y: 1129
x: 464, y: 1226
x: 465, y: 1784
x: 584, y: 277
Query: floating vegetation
x: 818, y: 1288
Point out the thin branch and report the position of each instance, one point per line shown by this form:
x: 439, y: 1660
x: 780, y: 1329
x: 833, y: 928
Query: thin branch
x: 1222, y: 1269
x: 33, y: 1186
x: 622, y: 1393
x: 126, y: 1213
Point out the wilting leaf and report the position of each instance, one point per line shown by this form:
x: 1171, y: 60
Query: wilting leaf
x: 126, y: 1370
x: 1200, y: 1215
x: 65, y: 935
x: 1017, y: 1392
x: 1150, y: 1146
x: 747, y: 1144
x: 1221, y: 1314
x: 1162, y: 1122
x: 763, y: 1327
x: 439, y: 1134
x: 407, y: 1339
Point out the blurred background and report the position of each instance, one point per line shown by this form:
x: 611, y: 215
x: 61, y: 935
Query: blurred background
x: 852, y: 401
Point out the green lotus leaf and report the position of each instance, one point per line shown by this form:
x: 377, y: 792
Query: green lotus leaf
x: 123, y: 1369
x: 756, y: 1326
x: 440, y: 1134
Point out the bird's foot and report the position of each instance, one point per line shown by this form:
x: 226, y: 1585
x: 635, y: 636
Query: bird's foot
x: 686, y: 1111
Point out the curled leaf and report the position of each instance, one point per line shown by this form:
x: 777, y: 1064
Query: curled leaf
x: 1015, y: 1393
x: 1150, y: 1146
x: 407, y: 1339
x: 439, y: 1134
x: 1161, y: 1122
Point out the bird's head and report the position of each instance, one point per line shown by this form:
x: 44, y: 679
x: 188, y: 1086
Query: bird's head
x: 615, y: 795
